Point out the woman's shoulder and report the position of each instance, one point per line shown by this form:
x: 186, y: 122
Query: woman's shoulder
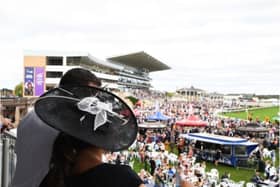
x: 119, y: 171
x: 110, y: 166
x: 109, y: 175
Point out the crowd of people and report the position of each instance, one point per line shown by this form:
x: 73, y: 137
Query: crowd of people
x: 169, y: 160
x: 152, y: 141
x: 155, y: 148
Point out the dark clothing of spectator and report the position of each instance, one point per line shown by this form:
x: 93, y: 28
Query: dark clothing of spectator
x: 153, y: 166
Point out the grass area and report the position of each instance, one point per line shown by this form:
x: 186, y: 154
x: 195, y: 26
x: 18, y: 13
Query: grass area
x: 261, y: 114
x: 277, y: 163
x: 236, y: 174
x: 137, y: 166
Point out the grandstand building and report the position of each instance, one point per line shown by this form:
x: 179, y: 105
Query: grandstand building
x: 43, y: 70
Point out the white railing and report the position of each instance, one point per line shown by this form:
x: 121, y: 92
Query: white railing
x: 7, y: 158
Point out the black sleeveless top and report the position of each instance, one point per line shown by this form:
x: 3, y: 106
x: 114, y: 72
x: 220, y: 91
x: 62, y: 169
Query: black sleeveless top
x: 106, y: 175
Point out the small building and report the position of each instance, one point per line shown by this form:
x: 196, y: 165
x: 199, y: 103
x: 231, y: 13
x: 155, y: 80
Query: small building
x: 214, y: 96
x: 4, y: 93
x: 234, y: 151
x: 192, y: 93
x: 232, y: 100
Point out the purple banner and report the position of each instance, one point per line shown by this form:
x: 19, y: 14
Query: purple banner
x: 29, y: 81
x: 39, y: 81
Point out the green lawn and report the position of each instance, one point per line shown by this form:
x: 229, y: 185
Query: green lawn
x: 262, y: 114
x: 236, y: 174
x: 137, y: 166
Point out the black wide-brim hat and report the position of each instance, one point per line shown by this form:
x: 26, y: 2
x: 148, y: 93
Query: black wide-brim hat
x: 90, y: 114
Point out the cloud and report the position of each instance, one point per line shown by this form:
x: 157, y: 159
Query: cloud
x: 227, y: 46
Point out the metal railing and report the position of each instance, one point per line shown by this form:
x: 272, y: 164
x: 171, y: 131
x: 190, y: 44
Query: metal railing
x: 7, y: 158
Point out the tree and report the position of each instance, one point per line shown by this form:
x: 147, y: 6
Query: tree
x: 18, y: 89
x: 169, y: 94
x: 132, y: 99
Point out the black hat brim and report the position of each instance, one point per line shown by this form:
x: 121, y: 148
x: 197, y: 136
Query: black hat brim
x: 62, y: 113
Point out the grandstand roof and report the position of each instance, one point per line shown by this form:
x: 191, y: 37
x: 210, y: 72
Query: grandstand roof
x: 140, y: 60
x: 104, y: 63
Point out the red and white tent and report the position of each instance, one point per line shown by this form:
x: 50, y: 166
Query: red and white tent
x: 192, y: 121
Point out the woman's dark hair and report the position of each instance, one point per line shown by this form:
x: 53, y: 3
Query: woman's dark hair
x: 65, y: 151
x: 80, y: 77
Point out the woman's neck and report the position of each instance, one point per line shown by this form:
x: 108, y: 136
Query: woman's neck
x: 87, y: 159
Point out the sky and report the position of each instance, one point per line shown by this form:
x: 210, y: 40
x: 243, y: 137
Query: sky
x: 226, y: 46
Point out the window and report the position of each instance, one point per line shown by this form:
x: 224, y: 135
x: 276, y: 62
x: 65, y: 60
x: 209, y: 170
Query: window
x: 198, y: 145
x: 50, y: 87
x: 226, y: 150
x: 55, y: 61
x: 54, y: 74
x: 240, y: 150
x: 73, y: 61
